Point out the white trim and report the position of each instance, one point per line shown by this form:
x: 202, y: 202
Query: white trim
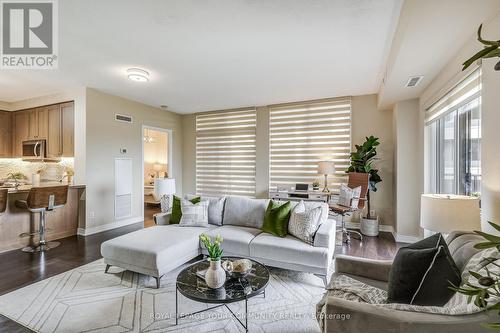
x: 356, y: 225
x: 109, y: 226
x: 405, y: 239
x: 170, y: 137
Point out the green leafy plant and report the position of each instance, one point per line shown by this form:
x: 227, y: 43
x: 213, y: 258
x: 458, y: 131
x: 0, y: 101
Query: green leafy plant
x: 315, y: 184
x: 362, y: 161
x: 16, y: 176
x: 214, y: 248
x: 491, y: 49
x: 486, y: 293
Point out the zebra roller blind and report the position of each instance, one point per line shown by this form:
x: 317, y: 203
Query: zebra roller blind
x: 302, y: 134
x: 225, y: 153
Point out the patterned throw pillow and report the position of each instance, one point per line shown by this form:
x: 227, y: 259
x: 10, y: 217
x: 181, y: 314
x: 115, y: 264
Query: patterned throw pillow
x: 194, y: 214
x: 176, y: 214
x: 304, y: 224
x: 349, y: 197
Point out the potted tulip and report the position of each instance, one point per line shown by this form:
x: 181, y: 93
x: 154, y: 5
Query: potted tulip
x: 215, y: 276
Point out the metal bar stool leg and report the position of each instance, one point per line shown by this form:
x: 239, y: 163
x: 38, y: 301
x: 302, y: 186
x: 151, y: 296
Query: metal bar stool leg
x: 43, y: 245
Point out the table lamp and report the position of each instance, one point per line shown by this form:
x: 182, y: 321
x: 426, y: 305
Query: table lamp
x: 326, y: 168
x: 448, y: 212
x: 164, y: 188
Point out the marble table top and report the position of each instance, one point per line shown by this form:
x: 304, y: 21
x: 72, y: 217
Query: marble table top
x: 193, y: 287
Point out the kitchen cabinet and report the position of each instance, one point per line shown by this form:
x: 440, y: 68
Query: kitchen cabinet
x: 68, y: 129
x: 54, y: 142
x: 53, y: 123
x: 21, y: 131
x: 5, y: 134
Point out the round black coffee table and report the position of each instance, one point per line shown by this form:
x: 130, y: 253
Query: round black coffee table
x: 192, y: 286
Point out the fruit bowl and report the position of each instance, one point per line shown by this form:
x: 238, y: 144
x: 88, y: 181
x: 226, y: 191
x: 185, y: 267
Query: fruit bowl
x: 238, y: 268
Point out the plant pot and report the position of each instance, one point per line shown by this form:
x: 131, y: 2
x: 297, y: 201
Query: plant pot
x: 216, y: 275
x: 497, y: 66
x: 369, y: 227
x: 315, y: 188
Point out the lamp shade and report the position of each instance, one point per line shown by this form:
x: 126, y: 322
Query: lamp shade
x: 164, y: 186
x: 446, y: 213
x: 326, y: 168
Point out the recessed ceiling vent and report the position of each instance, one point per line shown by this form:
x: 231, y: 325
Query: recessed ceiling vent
x: 123, y: 118
x: 413, y: 81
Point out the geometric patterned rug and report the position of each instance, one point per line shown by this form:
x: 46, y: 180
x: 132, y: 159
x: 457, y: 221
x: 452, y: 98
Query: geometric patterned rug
x: 86, y: 299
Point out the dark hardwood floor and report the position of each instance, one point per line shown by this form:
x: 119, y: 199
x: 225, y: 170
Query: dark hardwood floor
x: 149, y: 211
x: 18, y: 269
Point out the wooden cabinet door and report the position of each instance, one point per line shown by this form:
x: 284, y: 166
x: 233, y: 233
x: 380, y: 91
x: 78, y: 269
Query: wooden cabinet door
x: 54, y: 142
x: 32, y: 124
x: 21, y: 125
x: 42, y: 116
x: 5, y: 134
x: 68, y: 129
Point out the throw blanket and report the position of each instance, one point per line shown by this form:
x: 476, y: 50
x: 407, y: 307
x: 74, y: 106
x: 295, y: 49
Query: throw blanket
x: 347, y: 288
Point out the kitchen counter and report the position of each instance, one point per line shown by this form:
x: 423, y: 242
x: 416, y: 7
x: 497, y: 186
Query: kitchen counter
x: 26, y: 188
x: 61, y: 222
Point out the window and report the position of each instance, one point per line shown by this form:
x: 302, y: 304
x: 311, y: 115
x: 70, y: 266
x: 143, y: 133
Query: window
x: 453, y: 139
x: 225, y: 153
x: 302, y: 134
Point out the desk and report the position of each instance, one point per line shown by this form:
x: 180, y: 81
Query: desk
x: 301, y: 195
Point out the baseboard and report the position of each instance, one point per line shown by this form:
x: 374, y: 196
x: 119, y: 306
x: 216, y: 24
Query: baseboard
x: 109, y: 226
x: 405, y: 239
x: 356, y: 225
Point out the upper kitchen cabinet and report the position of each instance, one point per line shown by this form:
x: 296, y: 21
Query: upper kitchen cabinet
x: 68, y: 129
x: 53, y: 123
x: 5, y: 134
x: 21, y: 131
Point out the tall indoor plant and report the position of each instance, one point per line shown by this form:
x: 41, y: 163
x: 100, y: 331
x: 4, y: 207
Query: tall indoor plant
x: 362, y: 161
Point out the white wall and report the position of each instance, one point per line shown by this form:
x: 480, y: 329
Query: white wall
x: 490, y: 113
x: 408, y: 179
x: 105, y: 137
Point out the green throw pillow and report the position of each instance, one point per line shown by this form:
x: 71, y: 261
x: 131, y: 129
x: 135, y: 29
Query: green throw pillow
x: 175, y: 216
x: 276, y: 218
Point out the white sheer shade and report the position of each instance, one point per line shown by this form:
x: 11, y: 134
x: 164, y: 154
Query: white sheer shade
x: 446, y: 213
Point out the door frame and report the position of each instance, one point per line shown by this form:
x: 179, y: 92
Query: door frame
x: 169, y: 155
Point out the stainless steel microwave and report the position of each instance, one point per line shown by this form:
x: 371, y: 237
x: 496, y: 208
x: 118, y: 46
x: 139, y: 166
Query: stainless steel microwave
x: 34, y: 150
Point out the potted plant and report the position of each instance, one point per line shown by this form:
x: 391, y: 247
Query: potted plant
x: 16, y: 177
x: 362, y: 161
x: 215, y: 277
x: 485, y: 292
x: 491, y: 49
x: 315, y: 185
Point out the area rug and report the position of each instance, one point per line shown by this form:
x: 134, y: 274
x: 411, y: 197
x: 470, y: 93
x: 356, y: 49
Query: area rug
x: 86, y: 299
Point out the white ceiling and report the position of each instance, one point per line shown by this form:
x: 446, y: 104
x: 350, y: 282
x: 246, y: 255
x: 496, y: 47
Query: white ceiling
x: 428, y: 35
x: 205, y: 55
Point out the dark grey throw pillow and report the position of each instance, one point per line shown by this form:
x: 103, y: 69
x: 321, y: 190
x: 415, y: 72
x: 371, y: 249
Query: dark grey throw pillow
x: 422, y: 273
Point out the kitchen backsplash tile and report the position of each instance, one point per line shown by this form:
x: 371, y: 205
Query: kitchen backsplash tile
x: 51, y: 171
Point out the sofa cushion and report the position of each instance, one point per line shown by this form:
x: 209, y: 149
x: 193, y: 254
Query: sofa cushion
x: 194, y: 215
x: 245, y: 212
x: 152, y: 248
x: 288, y: 249
x: 276, y: 218
x: 422, y: 273
x: 461, y: 246
x: 236, y: 239
x: 215, y: 208
x: 304, y: 224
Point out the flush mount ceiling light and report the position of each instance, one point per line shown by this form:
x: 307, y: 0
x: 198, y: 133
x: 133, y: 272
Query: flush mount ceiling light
x: 137, y: 74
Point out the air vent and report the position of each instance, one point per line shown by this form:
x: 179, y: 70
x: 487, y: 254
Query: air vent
x: 413, y: 81
x: 125, y: 119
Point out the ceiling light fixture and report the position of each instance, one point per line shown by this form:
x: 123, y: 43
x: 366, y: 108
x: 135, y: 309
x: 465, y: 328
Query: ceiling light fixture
x: 138, y: 75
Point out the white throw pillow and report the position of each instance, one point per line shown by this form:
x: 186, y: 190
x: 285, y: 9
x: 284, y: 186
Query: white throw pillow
x: 349, y: 197
x: 215, y: 208
x: 304, y: 223
x: 194, y: 215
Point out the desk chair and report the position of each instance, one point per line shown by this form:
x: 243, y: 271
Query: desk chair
x: 355, y: 179
x: 39, y: 201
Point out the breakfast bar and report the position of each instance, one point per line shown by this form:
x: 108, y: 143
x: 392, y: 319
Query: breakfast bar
x: 61, y: 223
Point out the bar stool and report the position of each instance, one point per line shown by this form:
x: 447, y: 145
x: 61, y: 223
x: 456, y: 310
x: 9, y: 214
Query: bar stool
x: 39, y: 201
x: 4, y: 193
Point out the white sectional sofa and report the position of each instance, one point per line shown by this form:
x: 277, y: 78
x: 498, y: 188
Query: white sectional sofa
x: 157, y: 250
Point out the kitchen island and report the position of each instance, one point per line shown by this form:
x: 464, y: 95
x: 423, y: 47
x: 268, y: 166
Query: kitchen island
x: 61, y: 222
